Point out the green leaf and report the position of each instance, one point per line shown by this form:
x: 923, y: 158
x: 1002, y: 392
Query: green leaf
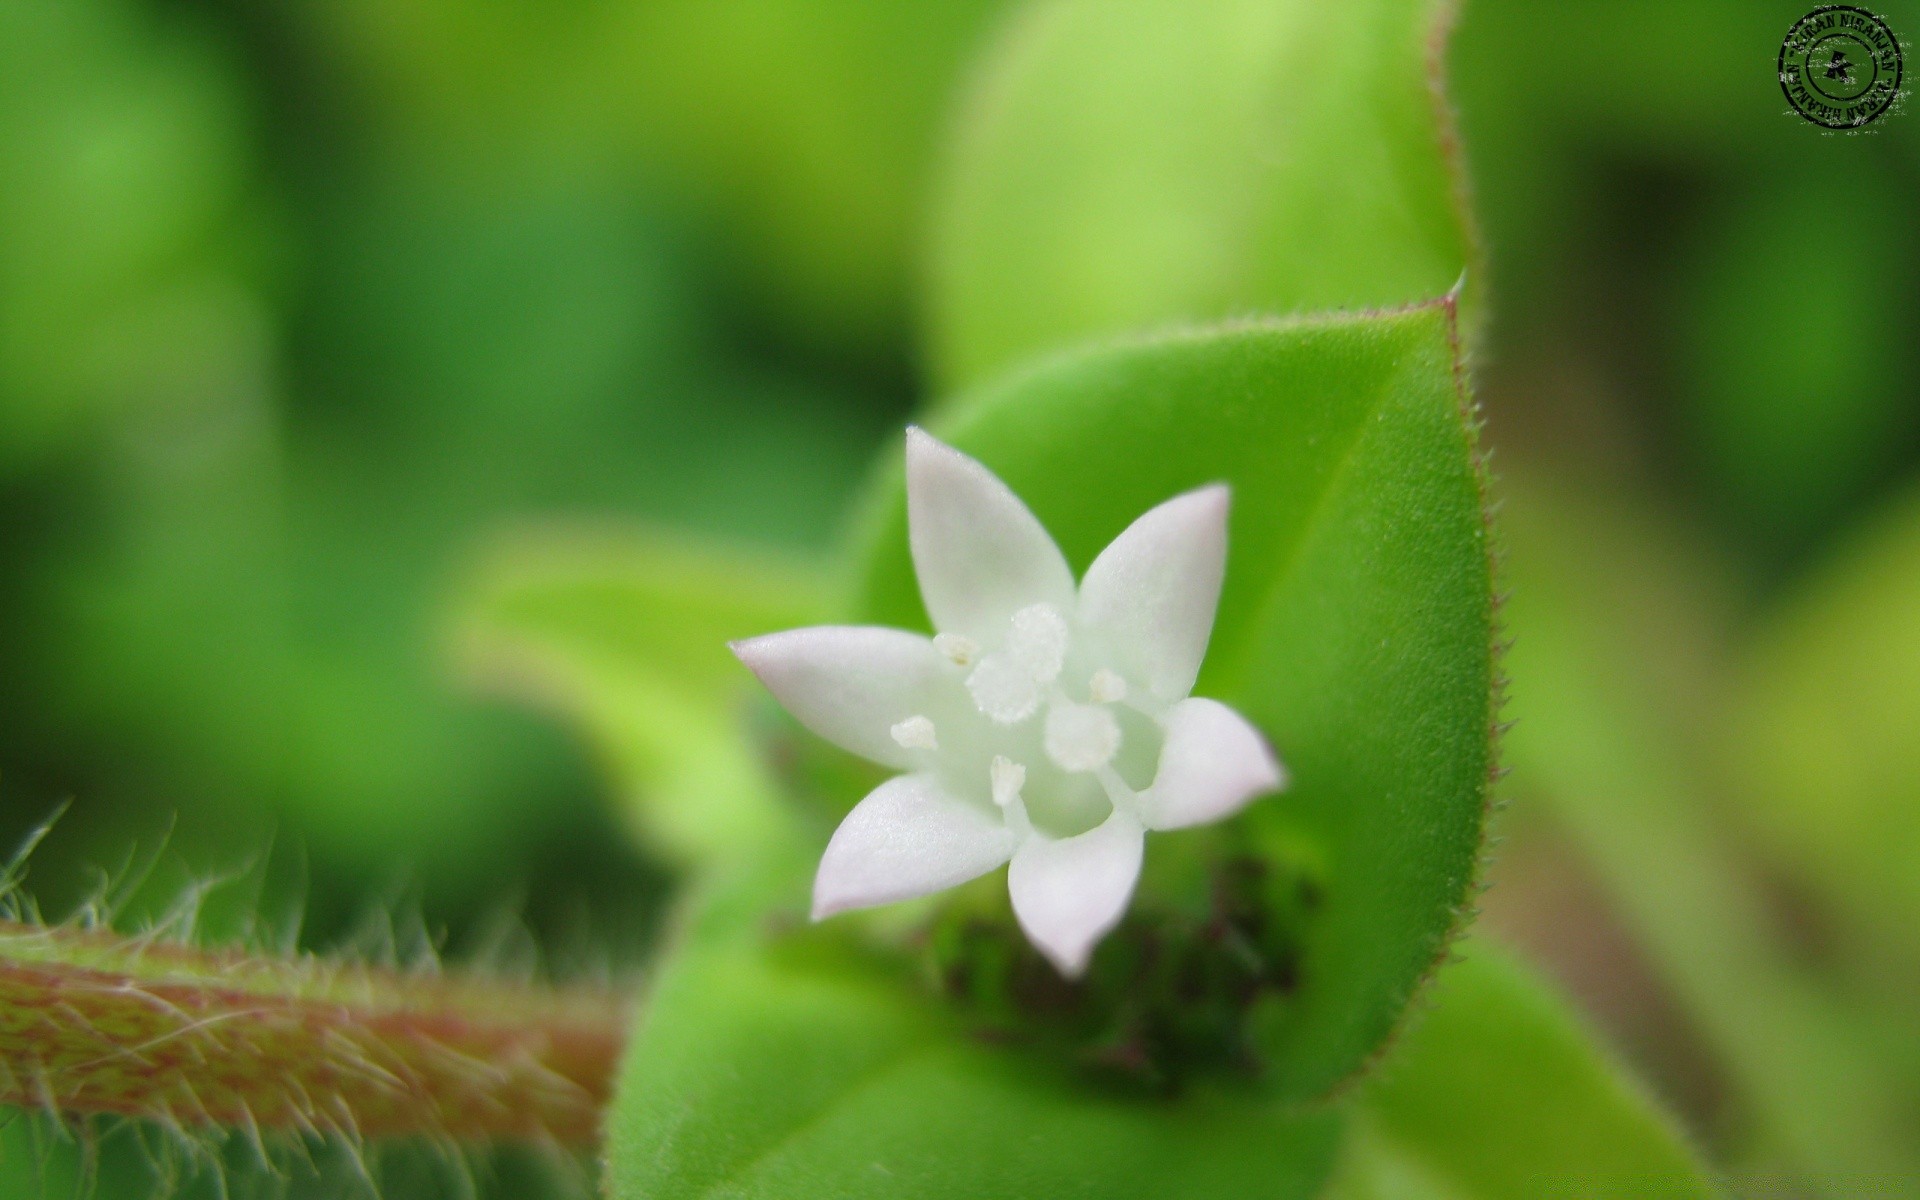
x: 627, y: 635
x: 1792, y: 429
x: 1354, y: 628
x: 1827, y: 732
x: 757, y: 1074
x: 1121, y: 166
x: 1498, y: 1093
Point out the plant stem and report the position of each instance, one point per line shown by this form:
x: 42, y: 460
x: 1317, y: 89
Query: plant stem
x: 94, y: 1022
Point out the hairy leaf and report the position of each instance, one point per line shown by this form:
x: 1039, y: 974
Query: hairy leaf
x: 1355, y: 625
x: 757, y: 1074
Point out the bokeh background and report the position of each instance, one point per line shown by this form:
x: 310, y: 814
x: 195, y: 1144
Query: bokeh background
x: 304, y: 304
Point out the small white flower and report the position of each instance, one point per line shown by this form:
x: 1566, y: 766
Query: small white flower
x: 1046, y: 726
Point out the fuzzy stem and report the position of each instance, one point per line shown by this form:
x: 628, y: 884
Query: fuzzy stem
x: 93, y: 1022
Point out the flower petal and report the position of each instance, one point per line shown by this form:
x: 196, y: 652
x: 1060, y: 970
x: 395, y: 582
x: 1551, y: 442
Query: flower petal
x: 851, y: 684
x: 908, y: 838
x: 1212, y: 764
x: 1069, y: 893
x: 980, y: 554
x: 1152, y: 592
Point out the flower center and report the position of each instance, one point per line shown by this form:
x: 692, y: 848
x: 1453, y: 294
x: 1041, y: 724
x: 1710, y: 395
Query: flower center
x: 1014, y: 681
x: 1081, y: 737
x: 1009, y: 684
x: 1038, y: 642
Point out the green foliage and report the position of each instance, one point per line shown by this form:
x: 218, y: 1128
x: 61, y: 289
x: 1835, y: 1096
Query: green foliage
x: 626, y: 637
x: 797, y: 134
x: 1122, y: 166
x: 809, y: 128
x: 120, y: 161
x: 1826, y: 737
x: 1605, y: 608
x: 655, y: 259
x: 1799, y: 372
x: 1498, y: 1093
x: 1355, y: 627
x: 796, y: 1071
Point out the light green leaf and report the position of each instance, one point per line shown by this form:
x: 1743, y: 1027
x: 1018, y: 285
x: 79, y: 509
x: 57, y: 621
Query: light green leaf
x: 1124, y: 165
x: 1827, y: 731
x: 1354, y: 628
x: 122, y: 168
x: 759, y: 1075
x: 1600, y: 744
x: 627, y: 635
x: 1497, y: 1093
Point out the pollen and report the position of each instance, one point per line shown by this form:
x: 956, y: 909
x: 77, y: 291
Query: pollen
x: 960, y: 651
x: 1004, y: 690
x: 915, y: 733
x: 1008, y: 778
x: 1038, y: 641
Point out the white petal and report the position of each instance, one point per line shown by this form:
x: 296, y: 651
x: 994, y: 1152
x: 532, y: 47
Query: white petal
x: 1069, y: 893
x: 1211, y: 765
x: 851, y: 684
x: 1152, y: 592
x: 980, y: 554
x: 908, y: 838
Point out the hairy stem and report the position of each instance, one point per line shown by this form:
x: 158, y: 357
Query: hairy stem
x: 93, y: 1022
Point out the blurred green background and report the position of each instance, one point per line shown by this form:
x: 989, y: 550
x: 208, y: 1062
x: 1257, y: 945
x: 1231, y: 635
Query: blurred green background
x: 304, y: 303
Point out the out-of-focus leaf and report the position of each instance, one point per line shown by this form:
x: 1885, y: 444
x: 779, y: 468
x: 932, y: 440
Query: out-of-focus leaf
x: 800, y: 132
x: 1826, y: 737
x: 769, y: 1074
x: 1569, y: 148
x: 258, y: 629
x: 810, y: 128
x: 1355, y: 625
x: 1602, y: 751
x: 1790, y: 343
x: 1121, y: 166
x: 120, y: 162
x: 1498, y: 1093
x: 627, y: 637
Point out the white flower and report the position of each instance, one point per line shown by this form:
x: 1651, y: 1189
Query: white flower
x: 1045, y: 725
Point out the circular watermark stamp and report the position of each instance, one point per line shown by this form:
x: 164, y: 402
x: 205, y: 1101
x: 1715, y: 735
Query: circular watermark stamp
x: 1840, y: 67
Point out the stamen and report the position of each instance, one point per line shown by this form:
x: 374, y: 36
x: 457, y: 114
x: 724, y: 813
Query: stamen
x: 1106, y: 687
x: 915, y: 733
x: 1038, y: 641
x: 1004, y: 690
x: 961, y: 651
x: 1081, y: 737
x: 1008, y: 778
